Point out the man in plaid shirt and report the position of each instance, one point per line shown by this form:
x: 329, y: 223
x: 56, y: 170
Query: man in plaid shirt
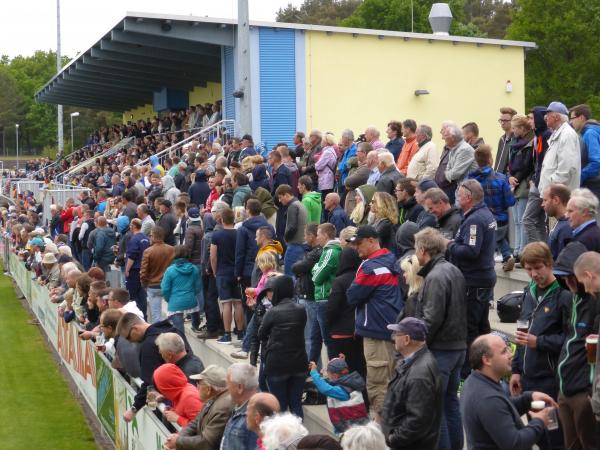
x: 498, y: 197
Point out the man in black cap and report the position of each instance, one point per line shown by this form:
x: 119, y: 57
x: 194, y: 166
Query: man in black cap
x: 376, y: 293
x: 574, y: 372
x: 412, y: 410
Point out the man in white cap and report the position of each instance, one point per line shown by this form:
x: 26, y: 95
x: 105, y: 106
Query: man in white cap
x: 206, y: 430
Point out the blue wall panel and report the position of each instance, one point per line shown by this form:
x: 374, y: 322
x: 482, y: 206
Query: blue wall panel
x: 277, y: 86
x: 228, y: 74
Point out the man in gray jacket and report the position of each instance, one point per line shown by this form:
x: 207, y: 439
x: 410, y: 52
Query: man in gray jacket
x: 357, y: 176
x: 456, y: 162
x: 295, y: 224
x: 441, y: 305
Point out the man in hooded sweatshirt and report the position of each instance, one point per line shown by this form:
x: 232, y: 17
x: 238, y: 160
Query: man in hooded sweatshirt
x: 199, y: 190
x: 241, y: 189
x: 105, y: 239
x: 311, y: 200
x: 172, y: 383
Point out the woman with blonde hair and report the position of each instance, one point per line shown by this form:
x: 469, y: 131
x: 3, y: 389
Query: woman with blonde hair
x: 410, y: 270
x: 326, y: 165
x: 385, y: 219
x: 345, y: 234
x: 258, y: 176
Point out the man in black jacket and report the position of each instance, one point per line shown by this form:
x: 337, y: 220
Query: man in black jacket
x: 305, y: 288
x: 441, y: 305
x: 167, y: 221
x: 408, y: 207
x: 134, y: 329
x: 546, y: 308
x: 448, y: 216
x: 412, y: 408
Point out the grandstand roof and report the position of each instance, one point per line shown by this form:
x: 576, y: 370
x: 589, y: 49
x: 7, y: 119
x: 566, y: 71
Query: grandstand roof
x: 145, y: 52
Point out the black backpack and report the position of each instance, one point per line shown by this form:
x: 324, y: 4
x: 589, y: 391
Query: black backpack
x: 509, y: 306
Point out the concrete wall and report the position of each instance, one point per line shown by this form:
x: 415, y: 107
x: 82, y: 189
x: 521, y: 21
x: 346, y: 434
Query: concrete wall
x: 354, y: 82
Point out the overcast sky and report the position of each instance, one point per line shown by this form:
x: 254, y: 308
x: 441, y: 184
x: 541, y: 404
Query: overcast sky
x: 30, y: 25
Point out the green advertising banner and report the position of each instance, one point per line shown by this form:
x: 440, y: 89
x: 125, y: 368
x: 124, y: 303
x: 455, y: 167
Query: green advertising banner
x: 106, y: 396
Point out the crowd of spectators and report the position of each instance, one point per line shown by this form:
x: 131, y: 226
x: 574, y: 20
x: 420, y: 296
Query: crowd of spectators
x: 383, y: 255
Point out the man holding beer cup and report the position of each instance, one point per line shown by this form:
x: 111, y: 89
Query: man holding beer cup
x: 540, y: 331
x: 575, y: 374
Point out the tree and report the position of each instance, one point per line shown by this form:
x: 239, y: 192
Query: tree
x: 318, y: 12
x: 407, y: 15
x: 566, y: 63
x: 492, y: 17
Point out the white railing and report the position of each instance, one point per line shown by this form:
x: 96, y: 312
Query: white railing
x: 58, y: 194
x: 211, y: 132
x: 69, y: 157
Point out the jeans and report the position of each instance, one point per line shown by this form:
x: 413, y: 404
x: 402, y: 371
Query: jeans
x: 293, y: 253
x: 211, y: 305
x: 534, y: 218
x: 155, y: 302
x: 449, y: 364
x: 311, y: 318
x: 86, y: 259
x: 177, y: 321
x: 502, y: 242
x: 137, y: 293
x: 199, y: 299
x: 478, y: 323
x: 520, y: 235
x: 288, y: 390
x: 248, y: 336
x: 316, y: 323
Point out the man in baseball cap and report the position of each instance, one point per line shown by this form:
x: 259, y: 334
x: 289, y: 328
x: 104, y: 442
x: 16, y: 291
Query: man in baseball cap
x: 557, y: 107
x: 412, y: 410
x: 206, y: 430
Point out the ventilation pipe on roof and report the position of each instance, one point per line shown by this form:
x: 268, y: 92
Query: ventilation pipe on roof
x: 440, y: 18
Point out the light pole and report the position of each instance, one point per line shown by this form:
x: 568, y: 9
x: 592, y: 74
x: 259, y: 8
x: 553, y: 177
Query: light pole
x: 17, y: 132
x: 73, y: 114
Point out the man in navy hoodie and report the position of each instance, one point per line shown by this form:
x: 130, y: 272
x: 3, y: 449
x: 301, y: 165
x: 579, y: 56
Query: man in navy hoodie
x: 376, y: 294
x: 580, y: 119
x: 472, y: 251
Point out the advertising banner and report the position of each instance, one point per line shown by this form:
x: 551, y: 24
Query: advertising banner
x: 105, y: 400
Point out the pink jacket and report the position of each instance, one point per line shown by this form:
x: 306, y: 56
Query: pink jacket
x: 325, y: 168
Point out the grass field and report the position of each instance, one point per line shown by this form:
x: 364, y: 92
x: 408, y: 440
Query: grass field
x: 37, y: 409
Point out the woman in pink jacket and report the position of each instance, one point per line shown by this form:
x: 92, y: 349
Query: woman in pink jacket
x: 326, y: 165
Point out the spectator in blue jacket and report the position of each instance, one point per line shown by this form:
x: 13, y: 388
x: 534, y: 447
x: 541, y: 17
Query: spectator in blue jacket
x: 199, y: 190
x: 472, y: 251
x: 346, y: 142
x: 135, y: 249
x: 180, y: 285
x: 376, y: 294
x: 394, y: 134
x: 335, y: 214
x: 554, y: 201
x: 103, y: 245
x: 498, y: 197
x: 280, y: 173
x: 581, y: 120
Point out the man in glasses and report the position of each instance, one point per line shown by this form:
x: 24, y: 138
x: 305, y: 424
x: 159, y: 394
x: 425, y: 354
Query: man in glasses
x: 501, y: 160
x: 579, y: 117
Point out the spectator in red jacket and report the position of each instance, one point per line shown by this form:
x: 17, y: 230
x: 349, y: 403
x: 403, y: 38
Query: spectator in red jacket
x: 66, y: 216
x: 172, y: 383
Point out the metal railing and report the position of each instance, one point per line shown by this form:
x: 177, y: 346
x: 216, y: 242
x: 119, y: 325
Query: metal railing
x: 35, y: 187
x: 211, y: 132
x: 58, y: 194
x: 69, y: 157
x: 123, y: 143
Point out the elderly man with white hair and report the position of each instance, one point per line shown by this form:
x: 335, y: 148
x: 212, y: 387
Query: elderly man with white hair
x: 172, y: 350
x: 389, y: 173
x: 206, y: 430
x: 372, y: 137
x: 362, y: 437
x: 582, y: 209
x: 372, y: 163
x: 282, y: 431
x: 242, y: 383
x: 456, y: 162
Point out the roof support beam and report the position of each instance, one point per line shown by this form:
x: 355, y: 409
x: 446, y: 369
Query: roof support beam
x: 165, y: 43
x: 122, y: 81
x: 206, y: 33
x: 102, y: 87
x: 151, y: 52
x: 167, y: 66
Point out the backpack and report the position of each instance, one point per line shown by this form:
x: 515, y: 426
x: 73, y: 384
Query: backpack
x: 509, y: 306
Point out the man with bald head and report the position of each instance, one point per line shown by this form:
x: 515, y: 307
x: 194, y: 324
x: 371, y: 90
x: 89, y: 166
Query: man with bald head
x: 587, y: 271
x: 260, y: 407
x: 491, y: 418
x: 335, y: 214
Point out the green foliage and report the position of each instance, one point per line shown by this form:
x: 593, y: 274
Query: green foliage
x: 20, y: 79
x: 318, y: 12
x: 567, y: 61
x: 395, y: 15
x: 492, y: 17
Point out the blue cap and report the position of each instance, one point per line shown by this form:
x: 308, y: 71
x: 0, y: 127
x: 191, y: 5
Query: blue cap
x: 39, y: 242
x: 557, y: 107
x: 411, y: 326
x: 337, y: 365
x: 194, y: 214
x: 425, y: 185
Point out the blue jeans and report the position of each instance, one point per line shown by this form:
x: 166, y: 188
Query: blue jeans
x: 449, y: 364
x: 293, y: 253
x: 199, y: 299
x: 502, y: 242
x: 315, y: 331
x: 86, y: 259
x: 520, y: 234
x: 248, y: 336
x: 177, y: 321
x: 136, y: 290
x: 288, y: 390
x: 155, y: 302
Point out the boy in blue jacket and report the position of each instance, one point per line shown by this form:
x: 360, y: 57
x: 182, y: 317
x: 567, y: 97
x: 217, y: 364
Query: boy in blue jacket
x: 345, y: 402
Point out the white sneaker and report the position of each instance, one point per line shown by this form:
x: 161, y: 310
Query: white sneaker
x: 239, y: 354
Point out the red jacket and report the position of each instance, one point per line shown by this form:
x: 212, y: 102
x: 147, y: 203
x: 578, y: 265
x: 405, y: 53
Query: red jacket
x: 172, y: 383
x: 66, y: 217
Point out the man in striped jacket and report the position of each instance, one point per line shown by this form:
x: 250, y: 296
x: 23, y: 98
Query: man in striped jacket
x: 376, y: 294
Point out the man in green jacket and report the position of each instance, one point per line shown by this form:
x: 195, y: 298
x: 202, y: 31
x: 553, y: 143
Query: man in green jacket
x: 323, y: 274
x: 311, y: 200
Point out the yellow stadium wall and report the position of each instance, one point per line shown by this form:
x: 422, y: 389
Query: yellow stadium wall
x: 355, y: 82
x: 209, y: 94
x: 141, y: 113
